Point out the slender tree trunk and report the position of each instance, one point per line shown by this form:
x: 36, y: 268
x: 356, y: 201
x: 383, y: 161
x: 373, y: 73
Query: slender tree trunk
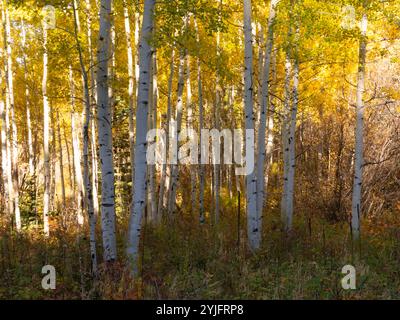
x: 177, y: 129
x: 76, y: 151
x: 139, y: 196
x: 27, y: 104
x: 13, y: 135
x: 285, y: 142
x: 86, y: 170
x: 217, y: 166
x: 93, y: 99
x: 4, y: 155
x: 6, y: 177
x: 292, y: 145
x: 64, y: 201
x: 71, y: 170
x: 261, y: 46
x: 81, y: 189
x: 111, y: 65
x: 131, y: 85
x: 104, y: 120
x: 46, y: 134
x: 253, y: 218
x: 359, y: 143
x: 93, y: 149
x: 189, y: 108
x: 166, y: 172
x: 289, y: 133
x: 54, y: 197
x: 153, y: 125
x: 264, y: 107
x: 270, y: 136
x: 201, y: 167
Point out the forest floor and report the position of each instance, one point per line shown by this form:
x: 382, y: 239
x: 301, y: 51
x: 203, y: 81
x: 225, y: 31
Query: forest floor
x: 183, y: 260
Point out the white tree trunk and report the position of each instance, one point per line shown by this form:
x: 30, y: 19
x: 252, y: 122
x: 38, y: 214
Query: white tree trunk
x: 112, y: 60
x: 270, y: 128
x: 166, y: 172
x: 4, y: 155
x: 13, y: 136
x: 201, y: 126
x: 152, y: 204
x: 46, y: 135
x: 5, y: 145
x: 131, y: 84
x: 179, y: 111
x: 264, y: 107
x: 139, y: 196
x: 291, y: 145
x: 253, y: 219
x: 189, y: 108
x: 105, y: 135
x: 93, y: 98
x: 76, y: 151
x: 261, y: 48
x: 359, y: 144
x: 285, y: 138
x: 217, y: 106
x: 27, y: 104
x: 86, y: 170
x: 61, y: 163
x: 53, y: 160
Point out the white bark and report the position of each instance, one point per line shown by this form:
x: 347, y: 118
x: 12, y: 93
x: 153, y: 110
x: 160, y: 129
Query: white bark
x: 166, y: 172
x: 152, y: 204
x: 104, y: 121
x: 5, y: 145
x: 179, y: 110
x: 253, y: 219
x: 13, y: 135
x: 61, y: 162
x: 93, y: 98
x: 112, y: 60
x: 139, y: 196
x: 261, y: 48
x: 359, y: 134
x: 76, y: 152
x: 264, y: 107
x: 53, y: 160
x: 4, y: 155
x: 95, y: 181
x: 289, y: 134
x: 189, y: 108
x: 70, y: 163
x: 27, y: 104
x: 46, y: 134
x: 270, y: 130
x: 131, y: 84
x: 217, y: 166
x: 86, y: 170
x: 291, y: 145
x: 285, y: 138
x: 201, y: 126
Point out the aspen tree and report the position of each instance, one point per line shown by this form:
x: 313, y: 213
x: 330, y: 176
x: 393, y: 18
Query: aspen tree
x: 13, y: 135
x: 201, y: 126
x: 359, y: 132
x: 86, y: 170
x: 46, y: 136
x: 264, y: 107
x: 253, y: 232
x: 104, y: 121
x: 139, y: 195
